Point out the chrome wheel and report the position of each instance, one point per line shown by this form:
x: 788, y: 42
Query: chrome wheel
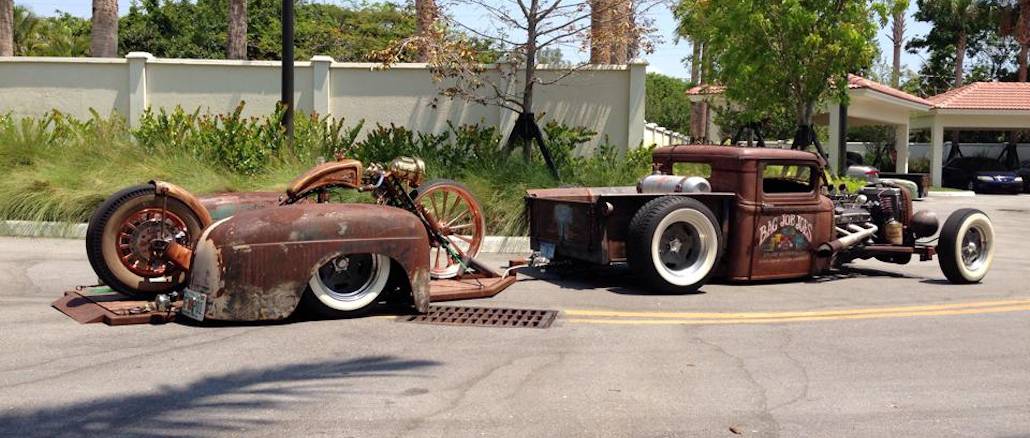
x: 685, y: 250
x: 974, y: 248
x: 350, y: 282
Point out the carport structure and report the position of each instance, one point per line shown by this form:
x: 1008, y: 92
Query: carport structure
x: 987, y: 106
x: 871, y: 103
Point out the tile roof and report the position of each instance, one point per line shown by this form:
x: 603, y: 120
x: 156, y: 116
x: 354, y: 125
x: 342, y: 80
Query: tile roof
x: 986, y: 96
x: 858, y: 82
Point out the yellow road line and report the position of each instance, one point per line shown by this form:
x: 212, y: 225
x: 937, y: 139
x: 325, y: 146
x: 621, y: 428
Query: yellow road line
x: 768, y: 320
x: 794, y: 314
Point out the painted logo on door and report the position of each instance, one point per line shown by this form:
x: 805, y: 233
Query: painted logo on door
x: 787, y: 235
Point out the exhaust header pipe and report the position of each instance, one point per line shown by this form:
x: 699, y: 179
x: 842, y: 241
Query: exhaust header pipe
x: 852, y: 236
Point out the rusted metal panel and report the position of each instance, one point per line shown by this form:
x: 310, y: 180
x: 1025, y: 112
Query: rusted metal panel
x: 90, y: 305
x: 171, y: 190
x: 468, y: 287
x: 341, y: 173
x: 256, y: 265
x: 223, y: 205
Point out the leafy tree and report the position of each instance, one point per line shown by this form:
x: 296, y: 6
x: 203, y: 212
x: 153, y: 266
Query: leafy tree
x: 790, y: 52
x: 667, y: 103
x: 62, y: 35
x: 958, y: 28
x: 200, y: 28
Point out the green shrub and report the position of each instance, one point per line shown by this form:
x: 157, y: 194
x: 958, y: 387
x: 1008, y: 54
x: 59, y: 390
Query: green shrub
x: 58, y: 168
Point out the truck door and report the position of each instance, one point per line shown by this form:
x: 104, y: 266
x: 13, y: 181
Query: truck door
x: 788, y: 207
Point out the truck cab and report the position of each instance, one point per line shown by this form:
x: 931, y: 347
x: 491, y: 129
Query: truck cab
x: 779, y: 213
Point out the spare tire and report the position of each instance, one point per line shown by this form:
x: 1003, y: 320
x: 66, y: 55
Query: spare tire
x: 674, y: 243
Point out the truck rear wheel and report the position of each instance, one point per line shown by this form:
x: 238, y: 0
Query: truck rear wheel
x: 966, y: 247
x: 674, y: 243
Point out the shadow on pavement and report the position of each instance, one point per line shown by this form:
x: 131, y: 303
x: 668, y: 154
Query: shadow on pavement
x: 615, y: 279
x: 207, y: 406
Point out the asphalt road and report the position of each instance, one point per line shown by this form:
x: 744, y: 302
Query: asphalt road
x: 879, y: 350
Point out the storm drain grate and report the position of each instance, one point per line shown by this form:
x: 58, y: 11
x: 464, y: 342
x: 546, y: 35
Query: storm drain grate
x: 486, y: 317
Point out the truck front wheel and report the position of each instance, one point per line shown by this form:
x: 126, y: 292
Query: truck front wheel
x: 674, y: 243
x: 966, y: 246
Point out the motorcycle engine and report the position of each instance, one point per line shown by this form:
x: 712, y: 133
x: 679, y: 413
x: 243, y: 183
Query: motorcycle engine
x: 409, y: 169
x: 875, y: 204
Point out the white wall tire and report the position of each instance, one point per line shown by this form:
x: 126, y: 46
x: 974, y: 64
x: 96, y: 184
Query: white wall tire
x: 674, y: 243
x: 966, y: 247
x: 350, y: 282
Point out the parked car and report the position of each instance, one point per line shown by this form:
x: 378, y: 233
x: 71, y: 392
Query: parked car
x: 1024, y: 172
x: 981, y: 175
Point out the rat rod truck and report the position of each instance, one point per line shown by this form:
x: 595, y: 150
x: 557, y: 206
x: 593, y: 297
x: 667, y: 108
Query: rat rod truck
x: 747, y: 214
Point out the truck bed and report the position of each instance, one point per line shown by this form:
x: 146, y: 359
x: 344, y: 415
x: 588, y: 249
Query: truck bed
x: 591, y: 223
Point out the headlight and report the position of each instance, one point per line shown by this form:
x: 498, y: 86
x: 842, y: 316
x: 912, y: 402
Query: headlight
x: 1018, y: 179
x: 985, y: 178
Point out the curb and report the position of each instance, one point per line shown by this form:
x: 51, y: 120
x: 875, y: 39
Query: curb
x: 958, y: 194
x: 65, y: 230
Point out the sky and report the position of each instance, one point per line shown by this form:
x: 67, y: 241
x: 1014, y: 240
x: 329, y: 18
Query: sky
x: 667, y: 58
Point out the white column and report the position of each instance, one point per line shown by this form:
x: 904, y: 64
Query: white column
x: 901, y: 146
x: 936, y: 151
x: 833, y: 143
x: 635, y: 109
x: 320, y: 83
x: 137, y: 85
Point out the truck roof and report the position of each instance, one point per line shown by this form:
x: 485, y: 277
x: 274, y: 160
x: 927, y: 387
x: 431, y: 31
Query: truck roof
x: 690, y: 152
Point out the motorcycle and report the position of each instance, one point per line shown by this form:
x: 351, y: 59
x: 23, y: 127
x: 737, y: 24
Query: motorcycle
x: 141, y: 239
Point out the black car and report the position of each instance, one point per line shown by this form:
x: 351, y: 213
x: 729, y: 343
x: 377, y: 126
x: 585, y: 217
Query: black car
x: 981, y: 175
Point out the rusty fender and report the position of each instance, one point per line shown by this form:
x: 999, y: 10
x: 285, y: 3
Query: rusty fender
x: 163, y: 188
x: 256, y: 265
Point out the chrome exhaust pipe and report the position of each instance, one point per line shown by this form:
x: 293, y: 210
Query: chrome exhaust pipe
x: 851, y: 237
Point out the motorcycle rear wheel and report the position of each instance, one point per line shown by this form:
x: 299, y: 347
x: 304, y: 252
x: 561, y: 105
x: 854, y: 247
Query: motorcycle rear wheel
x: 120, y: 233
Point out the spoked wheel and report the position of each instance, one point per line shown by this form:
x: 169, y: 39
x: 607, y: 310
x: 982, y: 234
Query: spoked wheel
x: 966, y: 248
x: 349, y: 283
x: 121, y: 235
x: 455, y: 213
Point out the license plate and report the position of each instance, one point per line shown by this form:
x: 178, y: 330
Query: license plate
x: 547, y: 250
x: 193, y: 305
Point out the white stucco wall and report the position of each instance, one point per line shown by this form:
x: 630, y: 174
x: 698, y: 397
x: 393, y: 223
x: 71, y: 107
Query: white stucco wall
x: 606, y: 99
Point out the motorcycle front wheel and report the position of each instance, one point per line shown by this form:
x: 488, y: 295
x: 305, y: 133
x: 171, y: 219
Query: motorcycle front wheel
x: 456, y: 214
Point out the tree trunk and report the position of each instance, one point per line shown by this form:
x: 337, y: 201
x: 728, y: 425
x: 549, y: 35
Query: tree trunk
x: 898, y: 39
x: 104, y: 34
x: 600, y: 35
x: 1023, y: 51
x: 6, y: 27
x: 621, y: 30
x: 697, y: 110
x: 237, y: 44
x: 960, y: 58
x: 426, y: 14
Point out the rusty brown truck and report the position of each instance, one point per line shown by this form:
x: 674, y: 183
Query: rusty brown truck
x: 745, y: 214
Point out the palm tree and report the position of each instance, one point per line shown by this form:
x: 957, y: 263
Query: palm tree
x: 6, y: 27
x: 961, y: 17
x: 237, y: 46
x: 105, y: 29
x: 897, y: 38
x: 426, y: 14
x: 1023, y: 37
x: 27, y: 35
